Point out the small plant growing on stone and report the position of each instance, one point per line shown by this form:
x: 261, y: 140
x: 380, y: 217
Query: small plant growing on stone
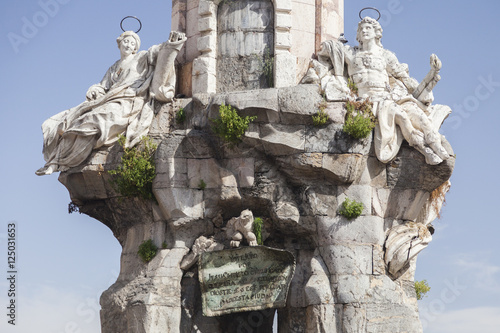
x: 147, y: 250
x: 257, y: 229
x: 321, y: 117
x: 135, y: 174
x: 230, y: 127
x: 421, y: 288
x: 180, y: 117
x: 359, y: 119
x: 164, y: 245
x: 202, y: 185
x: 351, y: 208
x: 352, y: 87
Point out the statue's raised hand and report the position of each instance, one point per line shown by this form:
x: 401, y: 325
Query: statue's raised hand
x: 435, y: 63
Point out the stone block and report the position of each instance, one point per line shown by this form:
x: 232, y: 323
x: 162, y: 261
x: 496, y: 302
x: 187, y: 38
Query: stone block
x: 208, y: 170
x: 285, y: 67
x: 342, y: 168
x: 192, y: 17
x: 299, y: 103
x: 360, y: 193
x: 243, y: 169
x: 171, y: 172
x: 321, y: 319
x: 321, y: 200
x: 179, y: 202
x: 206, y: 7
x: 374, y: 173
x: 266, y: 99
x: 207, y: 43
x: 391, y: 318
x: 203, y: 65
x: 340, y: 230
x: 281, y: 140
x: 204, y: 83
x: 284, y: 6
x: 348, y: 259
x: 206, y: 24
x: 283, y: 21
x: 352, y: 288
x: 378, y: 260
x: 398, y: 203
x: 354, y: 319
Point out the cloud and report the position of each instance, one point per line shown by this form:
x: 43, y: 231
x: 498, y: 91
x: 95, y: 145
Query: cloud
x: 481, y: 319
x: 479, y: 268
x: 51, y: 310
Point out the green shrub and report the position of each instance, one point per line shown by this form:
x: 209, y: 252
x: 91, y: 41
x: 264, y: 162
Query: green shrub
x: 351, y: 208
x: 321, y: 117
x: 230, y: 127
x: 257, y: 229
x: 135, y: 174
x: 421, y: 288
x: 180, y: 117
x: 202, y: 185
x: 147, y: 250
x: 164, y: 245
x: 359, y: 119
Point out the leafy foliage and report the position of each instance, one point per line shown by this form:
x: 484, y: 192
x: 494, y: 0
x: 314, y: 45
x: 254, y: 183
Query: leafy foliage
x: 257, y: 229
x: 147, y: 250
x: 136, y: 171
x: 202, y: 185
x: 351, y: 208
x: 230, y: 127
x: 180, y: 117
x: 321, y: 117
x: 359, y: 119
x: 421, y: 288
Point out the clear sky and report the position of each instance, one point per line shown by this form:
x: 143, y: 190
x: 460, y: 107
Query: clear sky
x: 52, y: 54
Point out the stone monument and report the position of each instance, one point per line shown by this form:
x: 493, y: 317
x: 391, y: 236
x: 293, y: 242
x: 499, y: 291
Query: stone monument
x: 354, y: 265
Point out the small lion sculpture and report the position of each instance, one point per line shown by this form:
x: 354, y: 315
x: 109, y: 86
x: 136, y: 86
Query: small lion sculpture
x: 240, y: 226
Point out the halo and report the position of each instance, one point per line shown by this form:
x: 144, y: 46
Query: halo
x: 126, y: 17
x: 372, y: 8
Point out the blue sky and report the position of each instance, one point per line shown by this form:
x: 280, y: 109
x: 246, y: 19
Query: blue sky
x: 66, y: 261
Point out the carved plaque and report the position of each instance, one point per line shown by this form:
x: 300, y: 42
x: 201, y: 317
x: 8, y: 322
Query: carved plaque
x: 244, y: 279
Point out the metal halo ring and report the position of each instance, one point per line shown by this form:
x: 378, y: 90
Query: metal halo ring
x: 375, y: 9
x: 126, y: 17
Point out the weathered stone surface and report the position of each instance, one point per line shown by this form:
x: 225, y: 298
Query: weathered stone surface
x: 363, y: 230
x: 293, y: 175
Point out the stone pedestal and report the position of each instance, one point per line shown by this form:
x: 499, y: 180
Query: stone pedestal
x: 292, y: 174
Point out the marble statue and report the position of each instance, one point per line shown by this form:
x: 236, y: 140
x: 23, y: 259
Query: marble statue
x: 121, y: 104
x: 240, y: 226
x: 402, y: 105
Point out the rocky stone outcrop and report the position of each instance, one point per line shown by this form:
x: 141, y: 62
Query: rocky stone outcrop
x: 293, y: 175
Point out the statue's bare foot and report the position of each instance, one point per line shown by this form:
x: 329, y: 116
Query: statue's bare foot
x: 430, y: 157
x: 235, y: 243
x: 46, y: 170
x: 439, y: 150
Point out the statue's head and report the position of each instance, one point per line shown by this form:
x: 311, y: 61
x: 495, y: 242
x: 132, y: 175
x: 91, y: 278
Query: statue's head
x: 130, y: 34
x: 246, y: 215
x: 377, y: 28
